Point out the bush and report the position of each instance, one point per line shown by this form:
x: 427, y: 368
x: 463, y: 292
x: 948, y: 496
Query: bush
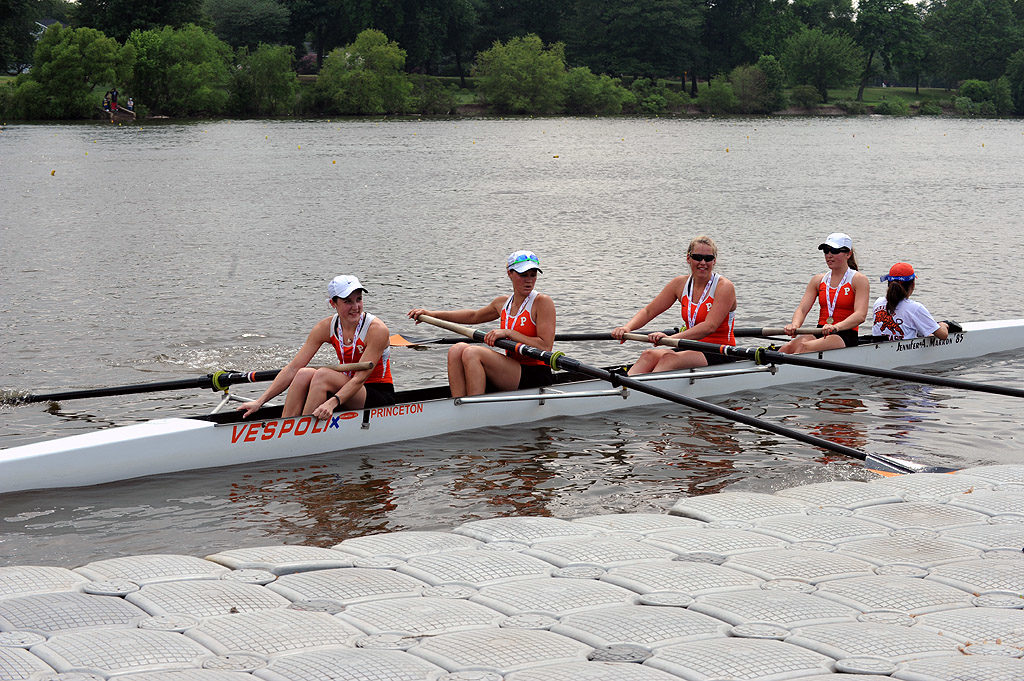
x: 852, y: 107
x: 805, y: 96
x: 365, y: 77
x: 975, y: 90
x: 587, y: 93
x: 965, y: 107
x: 651, y: 98
x: 1002, y: 96
x: 893, y: 107
x: 986, y: 108
x: 775, y: 82
x: 181, y: 72
x: 307, y: 65
x: 930, y: 109
x: 263, y: 82
x: 718, y: 97
x: 521, y: 76
x: 430, y: 96
x: 750, y: 87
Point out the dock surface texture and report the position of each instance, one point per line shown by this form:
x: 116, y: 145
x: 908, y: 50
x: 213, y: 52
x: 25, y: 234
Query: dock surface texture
x: 918, y: 577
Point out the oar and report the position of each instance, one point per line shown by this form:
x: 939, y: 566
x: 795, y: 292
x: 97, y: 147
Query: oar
x: 767, y: 331
x: 766, y: 356
x: 219, y: 380
x: 558, y: 360
x: 397, y: 340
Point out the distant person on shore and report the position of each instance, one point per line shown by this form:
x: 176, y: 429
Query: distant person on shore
x: 842, y: 297
x: 526, y: 317
x: 113, y: 98
x: 131, y: 104
x: 896, y: 317
x: 708, y: 302
x: 106, y: 101
x: 357, y: 336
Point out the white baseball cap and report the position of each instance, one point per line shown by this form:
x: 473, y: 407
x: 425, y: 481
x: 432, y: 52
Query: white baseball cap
x: 837, y: 240
x: 523, y: 261
x: 343, y: 286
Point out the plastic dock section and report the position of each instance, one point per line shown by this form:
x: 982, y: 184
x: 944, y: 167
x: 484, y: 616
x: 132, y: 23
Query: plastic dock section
x: 918, y: 578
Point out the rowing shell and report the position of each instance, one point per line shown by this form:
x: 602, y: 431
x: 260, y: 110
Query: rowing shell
x: 222, y: 439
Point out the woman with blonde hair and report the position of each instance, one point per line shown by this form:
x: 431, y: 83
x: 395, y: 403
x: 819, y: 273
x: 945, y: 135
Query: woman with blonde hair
x: 708, y: 307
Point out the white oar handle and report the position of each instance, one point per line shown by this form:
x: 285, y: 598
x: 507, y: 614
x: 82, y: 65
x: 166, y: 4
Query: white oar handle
x: 354, y: 366
x: 779, y: 331
x: 444, y: 324
x: 670, y: 342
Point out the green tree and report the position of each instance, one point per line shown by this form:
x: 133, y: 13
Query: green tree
x: 521, y: 76
x: 718, y: 97
x: 263, y: 83
x: 883, y: 28
x: 812, y: 57
x: 973, y: 38
x: 366, y: 77
x: 68, y: 64
x: 1015, y: 79
x: 180, y: 72
x: 775, y: 82
x: 652, y: 38
x: 738, y: 32
x: 588, y: 93
x: 831, y: 16
x: 118, y: 18
x: 1002, y: 95
x: 248, y: 22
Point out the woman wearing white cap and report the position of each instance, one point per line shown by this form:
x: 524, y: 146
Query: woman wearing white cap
x: 842, y: 295
x: 896, y: 317
x: 526, y: 317
x: 357, y: 336
x: 708, y: 302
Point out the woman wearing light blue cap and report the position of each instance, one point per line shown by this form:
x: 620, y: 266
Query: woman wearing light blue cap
x: 896, y: 317
x: 526, y: 317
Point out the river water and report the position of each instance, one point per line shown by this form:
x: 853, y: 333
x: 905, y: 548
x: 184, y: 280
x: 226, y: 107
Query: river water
x: 162, y: 251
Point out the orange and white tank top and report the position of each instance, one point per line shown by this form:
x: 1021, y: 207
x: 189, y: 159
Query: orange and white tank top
x: 347, y: 354
x: 696, y: 312
x: 521, y: 321
x: 836, y: 304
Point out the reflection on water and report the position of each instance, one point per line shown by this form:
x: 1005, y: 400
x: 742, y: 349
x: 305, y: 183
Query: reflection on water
x: 166, y: 251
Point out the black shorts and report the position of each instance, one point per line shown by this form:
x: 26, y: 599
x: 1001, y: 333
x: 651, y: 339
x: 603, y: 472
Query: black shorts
x: 534, y: 376
x: 379, y: 395
x: 849, y: 336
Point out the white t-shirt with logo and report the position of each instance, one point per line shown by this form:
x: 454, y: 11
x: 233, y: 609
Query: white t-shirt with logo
x: 910, y: 319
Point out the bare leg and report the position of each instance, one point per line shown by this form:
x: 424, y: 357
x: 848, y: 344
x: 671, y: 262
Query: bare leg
x: 480, y: 363
x: 688, y: 359
x: 327, y: 382
x: 456, y: 372
x: 809, y: 343
x: 648, y: 360
x: 297, y: 390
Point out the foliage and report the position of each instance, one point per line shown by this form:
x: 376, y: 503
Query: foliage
x: 118, y: 18
x: 180, y: 72
x: 366, y: 77
x: 307, y: 65
x: 852, y: 106
x: 930, y: 109
x: 973, y: 38
x: 965, y: 107
x: 718, y: 97
x: 775, y: 82
x: 652, y: 98
x: 823, y: 60
x: 896, y: 106
x: 69, y: 63
x: 831, y: 16
x: 885, y: 29
x: 247, y: 22
x: 588, y: 93
x: 521, y: 76
x: 1015, y: 79
x: 975, y: 90
x: 430, y: 96
x: 1002, y: 96
x: 805, y: 96
x: 263, y: 82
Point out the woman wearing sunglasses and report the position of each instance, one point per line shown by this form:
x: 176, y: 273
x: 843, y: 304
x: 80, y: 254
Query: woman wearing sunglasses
x: 708, y: 302
x: 526, y: 317
x: 842, y: 296
x: 896, y: 317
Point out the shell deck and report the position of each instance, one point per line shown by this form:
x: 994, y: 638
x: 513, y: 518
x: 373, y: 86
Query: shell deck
x: 918, y: 578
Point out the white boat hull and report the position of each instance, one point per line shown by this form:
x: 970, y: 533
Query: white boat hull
x: 179, y: 444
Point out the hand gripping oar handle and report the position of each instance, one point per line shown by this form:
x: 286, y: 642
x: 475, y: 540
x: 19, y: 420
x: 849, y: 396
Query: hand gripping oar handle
x: 217, y: 381
x: 768, y: 356
x: 558, y: 360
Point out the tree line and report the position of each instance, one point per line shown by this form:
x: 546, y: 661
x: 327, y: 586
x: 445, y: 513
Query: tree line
x: 730, y: 55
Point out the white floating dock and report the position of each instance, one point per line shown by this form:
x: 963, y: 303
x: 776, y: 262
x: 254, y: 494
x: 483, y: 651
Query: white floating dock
x: 917, y: 578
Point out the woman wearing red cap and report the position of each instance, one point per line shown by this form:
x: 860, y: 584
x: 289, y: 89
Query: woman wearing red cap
x: 842, y: 296
x: 357, y: 336
x: 896, y: 317
x: 708, y: 302
x: 526, y: 317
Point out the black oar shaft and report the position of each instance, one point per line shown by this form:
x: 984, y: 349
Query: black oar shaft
x: 557, y: 360
x: 766, y: 356
x: 225, y: 379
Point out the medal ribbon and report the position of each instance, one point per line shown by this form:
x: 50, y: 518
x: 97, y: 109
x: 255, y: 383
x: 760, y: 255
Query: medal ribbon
x: 691, y: 309
x: 831, y: 301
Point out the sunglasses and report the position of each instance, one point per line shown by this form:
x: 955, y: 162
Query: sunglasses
x: 833, y: 251
x: 700, y: 257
